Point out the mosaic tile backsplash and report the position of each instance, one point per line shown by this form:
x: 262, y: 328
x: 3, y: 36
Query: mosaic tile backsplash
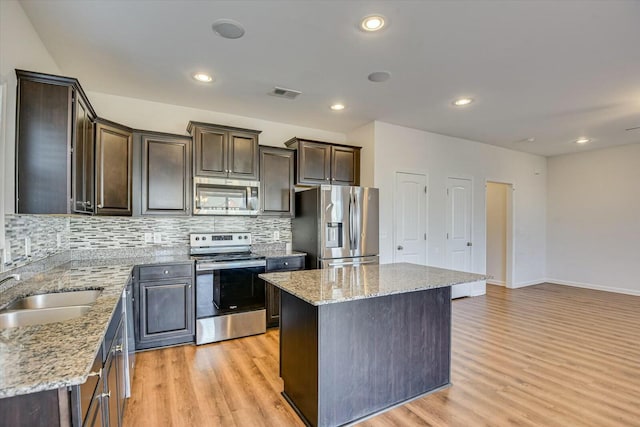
x: 85, y: 233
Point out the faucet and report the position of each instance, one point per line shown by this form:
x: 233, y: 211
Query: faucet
x: 9, y: 277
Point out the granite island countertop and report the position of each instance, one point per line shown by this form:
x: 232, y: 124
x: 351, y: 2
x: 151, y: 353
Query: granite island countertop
x: 45, y: 357
x: 334, y: 285
x: 278, y: 253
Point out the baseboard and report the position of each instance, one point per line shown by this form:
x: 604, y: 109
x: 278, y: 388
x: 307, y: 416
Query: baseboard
x: 625, y: 291
x: 529, y: 283
x: 496, y: 282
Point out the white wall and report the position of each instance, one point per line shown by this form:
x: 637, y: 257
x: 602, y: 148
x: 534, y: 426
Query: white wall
x: 399, y: 148
x: 149, y: 115
x: 497, y: 232
x: 364, y: 137
x: 20, y: 47
x: 594, y: 219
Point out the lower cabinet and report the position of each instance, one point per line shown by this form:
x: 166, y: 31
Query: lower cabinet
x: 273, y: 293
x: 165, y: 305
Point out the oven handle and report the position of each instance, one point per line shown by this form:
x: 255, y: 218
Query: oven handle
x: 229, y: 265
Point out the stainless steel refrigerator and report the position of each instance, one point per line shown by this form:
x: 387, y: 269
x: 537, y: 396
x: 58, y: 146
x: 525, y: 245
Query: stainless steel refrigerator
x: 337, y: 225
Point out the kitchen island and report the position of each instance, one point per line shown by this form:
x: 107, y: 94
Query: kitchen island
x: 356, y: 341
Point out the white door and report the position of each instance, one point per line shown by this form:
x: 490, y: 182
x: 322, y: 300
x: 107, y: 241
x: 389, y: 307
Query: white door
x: 459, y: 230
x: 410, y: 230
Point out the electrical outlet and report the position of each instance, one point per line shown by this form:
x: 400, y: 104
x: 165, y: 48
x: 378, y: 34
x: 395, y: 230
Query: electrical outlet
x: 157, y: 237
x: 276, y: 235
x: 148, y: 237
x: 58, y: 240
x: 27, y: 246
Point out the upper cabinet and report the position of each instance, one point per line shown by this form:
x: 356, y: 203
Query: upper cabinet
x: 276, y: 181
x: 52, y: 114
x: 324, y: 163
x: 67, y: 159
x: 113, y: 168
x: 166, y: 174
x: 223, y: 151
x: 83, y: 155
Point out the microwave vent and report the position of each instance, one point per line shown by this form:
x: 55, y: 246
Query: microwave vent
x: 282, y: 92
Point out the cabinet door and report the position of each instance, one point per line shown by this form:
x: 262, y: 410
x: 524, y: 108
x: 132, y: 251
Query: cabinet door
x: 276, y: 181
x: 97, y: 410
x: 166, y: 175
x: 43, y: 143
x: 273, y: 305
x: 119, y: 349
x: 345, y: 166
x: 211, y: 152
x: 111, y: 389
x: 83, y: 159
x: 314, y: 163
x: 113, y: 170
x: 243, y: 155
x: 166, y: 312
x: 273, y: 292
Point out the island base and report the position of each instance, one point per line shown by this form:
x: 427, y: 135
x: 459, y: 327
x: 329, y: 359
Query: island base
x: 344, y: 362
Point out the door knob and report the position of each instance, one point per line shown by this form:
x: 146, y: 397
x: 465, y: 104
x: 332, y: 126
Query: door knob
x: 400, y: 248
x: 469, y: 244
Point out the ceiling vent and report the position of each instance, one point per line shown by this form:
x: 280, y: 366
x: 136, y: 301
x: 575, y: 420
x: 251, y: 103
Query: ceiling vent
x: 285, y: 93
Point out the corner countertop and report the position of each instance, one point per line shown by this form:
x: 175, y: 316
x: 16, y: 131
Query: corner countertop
x: 335, y: 285
x: 45, y: 357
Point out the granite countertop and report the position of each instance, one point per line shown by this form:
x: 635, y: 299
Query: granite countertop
x: 278, y: 253
x: 44, y: 357
x: 334, y: 285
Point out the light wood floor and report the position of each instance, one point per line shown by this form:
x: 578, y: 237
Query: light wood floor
x: 545, y: 355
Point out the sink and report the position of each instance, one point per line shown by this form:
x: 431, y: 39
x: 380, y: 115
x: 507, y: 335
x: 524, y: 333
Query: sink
x: 52, y: 300
x: 12, y: 319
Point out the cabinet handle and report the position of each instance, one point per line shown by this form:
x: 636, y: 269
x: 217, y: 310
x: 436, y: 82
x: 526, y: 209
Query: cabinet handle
x: 88, y: 203
x: 286, y: 263
x: 327, y: 179
x: 118, y: 349
x: 97, y: 373
x: 166, y: 272
x: 189, y: 286
x: 99, y: 205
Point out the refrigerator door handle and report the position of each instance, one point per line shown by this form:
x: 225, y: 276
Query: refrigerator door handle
x: 351, y: 207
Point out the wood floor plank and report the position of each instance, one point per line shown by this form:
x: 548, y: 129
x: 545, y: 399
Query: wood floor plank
x: 545, y: 355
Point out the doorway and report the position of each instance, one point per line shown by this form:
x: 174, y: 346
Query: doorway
x: 410, y: 213
x: 499, y: 217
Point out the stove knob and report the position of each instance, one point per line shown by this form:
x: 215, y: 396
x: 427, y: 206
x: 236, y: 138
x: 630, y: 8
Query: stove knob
x: 197, y: 238
x: 204, y: 237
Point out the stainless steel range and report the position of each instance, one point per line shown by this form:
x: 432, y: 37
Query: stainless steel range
x: 230, y: 297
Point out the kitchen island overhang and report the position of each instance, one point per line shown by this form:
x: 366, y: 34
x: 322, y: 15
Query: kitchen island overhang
x: 356, y: 341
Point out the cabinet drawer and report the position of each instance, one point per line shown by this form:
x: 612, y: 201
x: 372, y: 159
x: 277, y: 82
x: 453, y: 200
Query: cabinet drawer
x: 284, y: 264
x: 88, y: 389
x: 165, y: 271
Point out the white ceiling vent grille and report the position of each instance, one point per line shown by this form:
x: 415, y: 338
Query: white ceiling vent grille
x: 284, y: 92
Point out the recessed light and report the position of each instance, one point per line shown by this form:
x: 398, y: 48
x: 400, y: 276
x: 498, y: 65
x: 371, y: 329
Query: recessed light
x: 337, y: 107
x: 372, y: 23
x: 582, y: 140
x: 379, y: 76
x: 203, y: 77
x: 228, y: 28
x: 461, y: 102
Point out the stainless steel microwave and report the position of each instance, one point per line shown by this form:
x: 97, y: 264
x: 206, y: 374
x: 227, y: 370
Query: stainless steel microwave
x: 214, y: 196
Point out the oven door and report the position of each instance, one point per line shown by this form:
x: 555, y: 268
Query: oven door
x: 222, y: 290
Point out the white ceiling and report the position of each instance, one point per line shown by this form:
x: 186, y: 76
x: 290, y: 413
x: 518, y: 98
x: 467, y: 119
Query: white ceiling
x: 553, y: 70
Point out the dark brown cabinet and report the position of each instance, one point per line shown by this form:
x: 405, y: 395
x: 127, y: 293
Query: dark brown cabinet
x: 320, y: 163
x: 165, y: 305
x: 83, y: 158
x: 276, y: 181
x: 113, y: 163
x: 166, y: 175
x: 224, y: 152
x: 273, y: 293
x: 51, y: 113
